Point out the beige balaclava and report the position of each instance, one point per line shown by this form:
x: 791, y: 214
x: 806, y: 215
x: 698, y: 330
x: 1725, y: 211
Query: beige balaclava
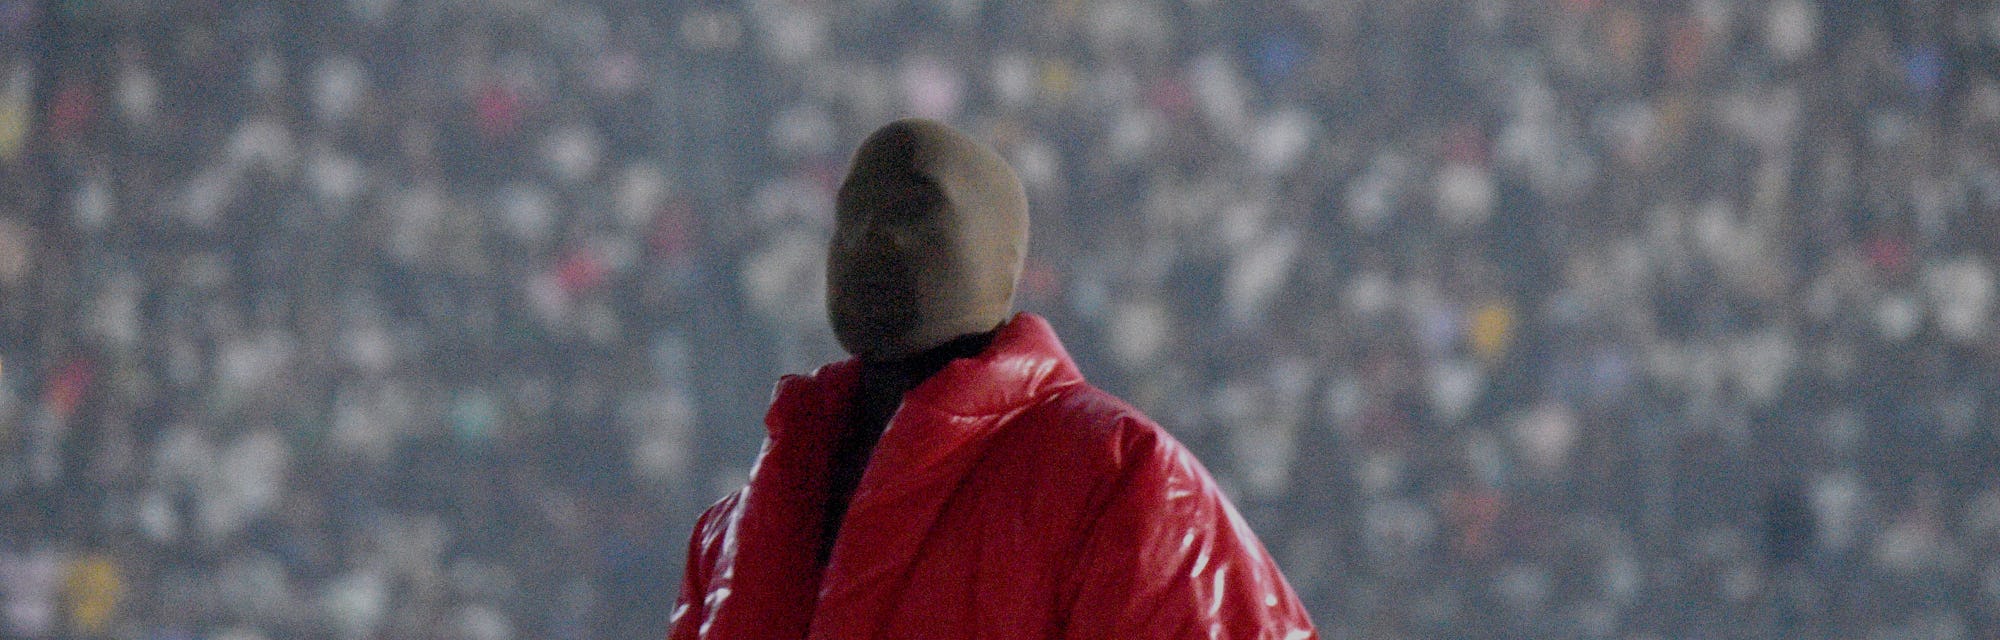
x: 931, y: 229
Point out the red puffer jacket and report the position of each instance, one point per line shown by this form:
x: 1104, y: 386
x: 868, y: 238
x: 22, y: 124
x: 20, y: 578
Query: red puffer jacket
x: 1007, y: 499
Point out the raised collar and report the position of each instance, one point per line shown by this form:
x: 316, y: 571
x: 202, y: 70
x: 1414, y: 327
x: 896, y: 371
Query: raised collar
x: 934, y: 439
x: 1024, y: 362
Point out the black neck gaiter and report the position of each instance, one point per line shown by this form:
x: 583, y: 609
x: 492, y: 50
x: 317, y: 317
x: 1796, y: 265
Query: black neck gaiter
x: 876, y: 397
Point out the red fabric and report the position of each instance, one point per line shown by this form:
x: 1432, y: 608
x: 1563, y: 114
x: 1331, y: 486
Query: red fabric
x: 66, y: 392
x: 1007, y: 499
x: 71, y: 111
x: 498, y: 112
x: 581, y: 271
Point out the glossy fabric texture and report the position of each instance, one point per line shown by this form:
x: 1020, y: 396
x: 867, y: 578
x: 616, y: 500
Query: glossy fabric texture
x: 1007, y: 499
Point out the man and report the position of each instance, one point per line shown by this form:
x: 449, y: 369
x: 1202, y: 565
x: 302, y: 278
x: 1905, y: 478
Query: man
x: 957, y: 478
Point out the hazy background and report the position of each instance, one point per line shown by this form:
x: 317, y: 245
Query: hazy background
x: 1498, y: 319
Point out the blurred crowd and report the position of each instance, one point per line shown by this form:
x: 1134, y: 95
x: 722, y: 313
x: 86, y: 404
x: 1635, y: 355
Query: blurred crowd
x: 383, y: 319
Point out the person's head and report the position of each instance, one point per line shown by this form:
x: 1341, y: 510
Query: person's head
x: 931, y: 229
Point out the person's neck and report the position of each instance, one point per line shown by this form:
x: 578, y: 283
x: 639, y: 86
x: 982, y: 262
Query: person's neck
x: 913, y: 369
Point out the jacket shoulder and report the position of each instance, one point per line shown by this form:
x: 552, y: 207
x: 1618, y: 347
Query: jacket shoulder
x: 1085, y: 433
x: 1098, y: 415
x: 1163, y: 553
x: 712, y: 529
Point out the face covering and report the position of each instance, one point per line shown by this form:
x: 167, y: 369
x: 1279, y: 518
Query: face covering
x: 930, y: 231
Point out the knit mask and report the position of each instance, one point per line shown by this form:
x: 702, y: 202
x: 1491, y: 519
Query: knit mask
x: 930, y: 231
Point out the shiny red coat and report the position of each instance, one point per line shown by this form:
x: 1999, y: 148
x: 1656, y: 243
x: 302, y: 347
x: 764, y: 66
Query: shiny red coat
x: 1007, y: 499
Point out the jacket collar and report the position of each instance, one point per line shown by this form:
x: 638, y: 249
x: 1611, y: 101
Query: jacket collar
x: 1024, y: 362
x: 927, y: 448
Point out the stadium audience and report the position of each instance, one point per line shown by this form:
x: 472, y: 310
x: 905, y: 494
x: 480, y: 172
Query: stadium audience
x: 1543, y: 318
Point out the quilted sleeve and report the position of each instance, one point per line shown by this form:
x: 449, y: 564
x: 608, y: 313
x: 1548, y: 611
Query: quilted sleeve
x: 1169, y: 558
x: 704, y: 546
